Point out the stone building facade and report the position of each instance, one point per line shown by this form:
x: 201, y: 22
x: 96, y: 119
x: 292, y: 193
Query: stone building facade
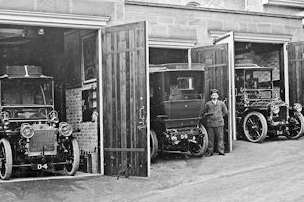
x: 173, y: 24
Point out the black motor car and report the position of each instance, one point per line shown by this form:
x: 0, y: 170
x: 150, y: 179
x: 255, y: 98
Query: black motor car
x: 176, y: 98
x: 260, y: 110
x: 30, y: 132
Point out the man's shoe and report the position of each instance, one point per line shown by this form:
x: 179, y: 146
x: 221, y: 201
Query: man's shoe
x: 208, y: 154
x: 222, y: 154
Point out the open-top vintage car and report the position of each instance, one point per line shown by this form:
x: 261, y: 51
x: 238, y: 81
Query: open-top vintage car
x: 260, y: 111
x: 30, y: 133
x: 176, y: 97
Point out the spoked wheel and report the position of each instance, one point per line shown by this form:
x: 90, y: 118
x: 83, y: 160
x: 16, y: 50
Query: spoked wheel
x: 255, y: 127
x: 6, y: 159
x: 73, y: 158
x: 153, y: 145
x: 198, y: 149
x: 296, y: 127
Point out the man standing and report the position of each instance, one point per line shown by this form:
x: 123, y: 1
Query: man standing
x: 213, y: 113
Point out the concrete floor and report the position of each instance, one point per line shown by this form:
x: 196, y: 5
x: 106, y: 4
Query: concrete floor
x: 272, y: 171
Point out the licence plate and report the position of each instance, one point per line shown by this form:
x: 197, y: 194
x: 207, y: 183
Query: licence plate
x: 40, y: 166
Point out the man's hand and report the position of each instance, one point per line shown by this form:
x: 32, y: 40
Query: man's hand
x: 209, y: 114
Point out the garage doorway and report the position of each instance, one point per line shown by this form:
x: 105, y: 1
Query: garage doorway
x: 137, y: 43
x: 70, y: 56
x: 262, y: 64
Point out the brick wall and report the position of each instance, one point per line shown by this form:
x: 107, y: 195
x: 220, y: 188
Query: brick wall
x: 86, y: 131
x: 264, y: 59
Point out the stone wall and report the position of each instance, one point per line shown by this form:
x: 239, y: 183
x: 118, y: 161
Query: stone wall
x: 195, y: 24
x: 112, y: 8
x: 240, y: 5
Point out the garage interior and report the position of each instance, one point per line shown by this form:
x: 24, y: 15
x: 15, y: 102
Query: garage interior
x: 262, y: 55
x: 246, y: 53
x: 70, y: 56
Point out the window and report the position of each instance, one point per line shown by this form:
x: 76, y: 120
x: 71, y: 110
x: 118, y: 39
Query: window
x: 89, y: 104
x: 89, y: 62
x: 185, y: 83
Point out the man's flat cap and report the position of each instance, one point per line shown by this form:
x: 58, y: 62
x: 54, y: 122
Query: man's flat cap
x: 214, y: 91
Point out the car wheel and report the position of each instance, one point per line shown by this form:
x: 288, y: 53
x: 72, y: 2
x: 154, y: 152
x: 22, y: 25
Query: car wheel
x: 255, y: 127
x: 200, y: 148
x: 153, y: 145
x: 6, y: 159
x: 73, y: 158
x: 296, y: 127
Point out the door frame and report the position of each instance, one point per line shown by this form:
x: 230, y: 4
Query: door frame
x: 66, y: 21
x: 282, y: 39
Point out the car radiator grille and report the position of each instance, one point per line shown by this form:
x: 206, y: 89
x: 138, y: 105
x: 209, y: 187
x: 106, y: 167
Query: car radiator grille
x: 283, y: 113
x: 43, y: 141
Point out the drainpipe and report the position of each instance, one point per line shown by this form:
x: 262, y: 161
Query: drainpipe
x: 246, y: 5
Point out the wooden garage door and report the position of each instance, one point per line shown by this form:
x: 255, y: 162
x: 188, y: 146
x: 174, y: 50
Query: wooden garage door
x: 215, y: 60
x: 124, y: 74
x: 296, y: 72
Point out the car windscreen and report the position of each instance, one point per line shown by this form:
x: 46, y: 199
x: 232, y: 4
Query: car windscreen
x: 258, y: 79
x: 26, y: 92
x: 183, y: 85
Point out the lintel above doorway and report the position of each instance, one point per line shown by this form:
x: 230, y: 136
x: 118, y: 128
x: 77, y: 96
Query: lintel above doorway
x: 287, y: 3
x: 171, y: 43
x: 52, y: 19
x: 253, y: 37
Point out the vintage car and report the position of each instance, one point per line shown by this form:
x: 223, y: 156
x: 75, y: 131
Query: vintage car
x: 259, y: 109
x: 176, y: 98
x: 30, y: 132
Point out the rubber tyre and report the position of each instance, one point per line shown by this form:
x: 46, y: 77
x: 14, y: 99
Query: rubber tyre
x: 204, y: 146
x: 300, y: 118
x: 70, y: 171
x: 153, y: 145
x: 263, y: 128
x: 4, y: 144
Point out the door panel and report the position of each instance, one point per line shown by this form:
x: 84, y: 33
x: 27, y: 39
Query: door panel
x: 215, y: 59
x: 125, y: 100
x: 296, y: 72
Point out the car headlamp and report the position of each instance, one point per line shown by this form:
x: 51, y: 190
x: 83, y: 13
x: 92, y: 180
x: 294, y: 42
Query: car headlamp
x: 246, y: 99
x: 173, y: 138
x: 5, y: 117
x: 297, y: 107
x: 275, y: 109
x: 27, y: 130
x: 53, y: 117
x: 65, y: 129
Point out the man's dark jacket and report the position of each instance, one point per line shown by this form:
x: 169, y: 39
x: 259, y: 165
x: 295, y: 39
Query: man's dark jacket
x: 213, y: 113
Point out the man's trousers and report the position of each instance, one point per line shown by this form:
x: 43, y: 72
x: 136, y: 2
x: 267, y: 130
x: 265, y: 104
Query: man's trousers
x: 218, y: 134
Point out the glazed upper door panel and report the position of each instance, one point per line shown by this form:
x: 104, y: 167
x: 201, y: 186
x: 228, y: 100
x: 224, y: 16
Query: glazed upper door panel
x: 124, y: 74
